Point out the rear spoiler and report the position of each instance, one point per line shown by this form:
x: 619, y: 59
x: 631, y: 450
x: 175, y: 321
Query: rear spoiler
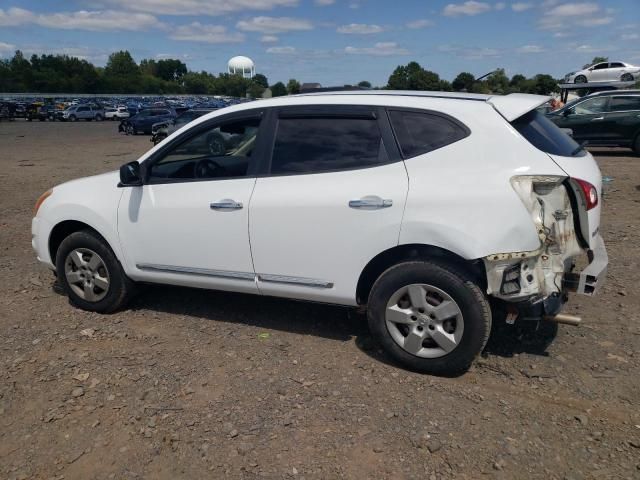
x: 515, y: 105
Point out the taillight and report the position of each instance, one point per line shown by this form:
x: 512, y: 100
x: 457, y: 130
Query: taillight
x: 589, y: 191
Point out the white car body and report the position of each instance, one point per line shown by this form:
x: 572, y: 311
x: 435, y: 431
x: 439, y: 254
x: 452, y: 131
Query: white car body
x: 470, y: 209
x: 605, y: 72
x: 116, y: 113
x: 489, y: 200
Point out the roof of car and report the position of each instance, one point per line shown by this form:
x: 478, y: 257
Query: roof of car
x: 509, y: 106
x: 615, y: 92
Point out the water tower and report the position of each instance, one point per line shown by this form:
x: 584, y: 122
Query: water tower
x: 242, y: 66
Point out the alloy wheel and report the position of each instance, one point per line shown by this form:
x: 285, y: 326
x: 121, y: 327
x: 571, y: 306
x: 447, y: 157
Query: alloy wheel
x: 87, y: 274
x: 424, y: 320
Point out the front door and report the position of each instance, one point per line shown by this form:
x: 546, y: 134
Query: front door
x: 331, y: 199
x: 188, y: 224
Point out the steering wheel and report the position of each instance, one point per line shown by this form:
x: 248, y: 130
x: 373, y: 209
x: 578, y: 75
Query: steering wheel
x: 207, y: 168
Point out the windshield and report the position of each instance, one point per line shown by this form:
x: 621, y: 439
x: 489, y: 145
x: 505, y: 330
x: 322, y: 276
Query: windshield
x: 543, y: 134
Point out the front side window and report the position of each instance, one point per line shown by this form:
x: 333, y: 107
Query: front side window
x: 601, y: 66
x: 623, y: 104
x: 594, y: 105
x: 419, y: 133
x: 221, y: 151
x: 83, y: 109
x: 314, y: 145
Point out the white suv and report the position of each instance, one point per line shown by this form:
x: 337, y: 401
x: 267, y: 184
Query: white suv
x: 433, y: 210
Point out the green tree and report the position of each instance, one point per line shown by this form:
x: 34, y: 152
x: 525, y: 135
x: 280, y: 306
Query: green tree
x: 170, y: 69
x: 545, y: 84
x: 413, y: 77
x: 278, y: 90
x: 260, y: 79
x: 364, y: 84
x: 255, y: 90
x: 293, y: 86
x: 498, y: 82
x: 21, y: 72
x: 121, y: 64
x: 198, y: 83
x: 464, y: 81
x: 596, y: 60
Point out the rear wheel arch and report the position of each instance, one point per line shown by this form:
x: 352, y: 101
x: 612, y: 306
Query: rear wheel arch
x: 415, y: 252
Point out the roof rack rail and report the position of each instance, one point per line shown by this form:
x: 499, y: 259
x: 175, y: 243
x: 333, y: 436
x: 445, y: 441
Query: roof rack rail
x: 332, y: 89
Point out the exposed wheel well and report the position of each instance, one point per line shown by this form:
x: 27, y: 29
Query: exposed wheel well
x: 62, y: 231
x: 401, y: 253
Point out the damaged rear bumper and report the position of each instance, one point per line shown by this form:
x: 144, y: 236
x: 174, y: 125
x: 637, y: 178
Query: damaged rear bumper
x: 589, y: 281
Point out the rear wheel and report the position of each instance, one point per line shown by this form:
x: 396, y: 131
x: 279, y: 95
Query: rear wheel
x: 580, y: 79
x: 429, y: 317
x: 90, y: 273
x: 98, y: 118
x: 626, y: 77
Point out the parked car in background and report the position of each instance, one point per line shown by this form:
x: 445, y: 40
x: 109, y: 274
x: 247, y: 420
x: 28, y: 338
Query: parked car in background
x: 83, y: 112
x: 144, y: 120
x: 161, y: 130
x: 610, y: 118
x: 116, y: 113
x: 401, y: 203
x: 605, y: 72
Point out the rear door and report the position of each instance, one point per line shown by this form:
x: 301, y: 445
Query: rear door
x: 586, y: 120
x: 600, y: 73
x: 623, y: 120
x: 330, y: 199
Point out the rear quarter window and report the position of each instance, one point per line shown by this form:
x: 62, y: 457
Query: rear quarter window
x: 543, y: 134
x: 418, y: 133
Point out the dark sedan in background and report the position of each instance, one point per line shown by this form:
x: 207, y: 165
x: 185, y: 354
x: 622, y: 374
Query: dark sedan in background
x: 143, y: 121
x: 610, y: 118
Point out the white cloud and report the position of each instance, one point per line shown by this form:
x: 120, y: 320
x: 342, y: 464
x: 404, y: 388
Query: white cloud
x: 360, y: 29
x: 272, y: 25
x: 107, y: 20
x: 6, y: 48
x: 197, y: 32
x: 630, y: 36
x: 521, y: 6
x: 471, y: 53
x: 470, y: 7
x: 530, y: 49
x: 423, y: 23
x: 200, y: 7
x: 500, y: 6
x: 269, y: 39
x: 282, y: 50
x: 324, y: 3
x: 380, y: 49
x: 580, y: 14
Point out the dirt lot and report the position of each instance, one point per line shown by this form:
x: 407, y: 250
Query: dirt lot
x: 197, y: 384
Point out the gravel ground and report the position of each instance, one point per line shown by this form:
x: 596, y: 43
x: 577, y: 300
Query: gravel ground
x: 197, y: 384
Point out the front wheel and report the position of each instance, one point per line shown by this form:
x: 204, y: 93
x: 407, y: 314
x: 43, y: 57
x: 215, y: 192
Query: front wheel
x: 72, y: 118
x: 636, y: 145
x: 98, y: 118
x: 580, y: 79
x: 90, y: 273
x: 429, y: 317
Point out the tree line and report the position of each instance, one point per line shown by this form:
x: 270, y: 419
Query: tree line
x: 121, y: 74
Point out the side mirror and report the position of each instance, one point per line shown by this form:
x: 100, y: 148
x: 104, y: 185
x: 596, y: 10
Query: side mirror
x: 130, y: 175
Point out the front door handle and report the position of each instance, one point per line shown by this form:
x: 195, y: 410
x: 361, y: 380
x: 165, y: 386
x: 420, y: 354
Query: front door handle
x: 226, y: 204
x: 370, y: 202
x: 597, y: 118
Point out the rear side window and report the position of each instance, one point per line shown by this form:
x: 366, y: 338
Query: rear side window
x: 418, y: 133
x: 313, y: 145
x: 622, y: 104
x: 543, y: 134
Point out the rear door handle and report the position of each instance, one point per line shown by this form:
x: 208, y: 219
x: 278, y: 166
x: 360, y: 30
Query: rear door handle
x: 226, y: 204
x: 370, y: 202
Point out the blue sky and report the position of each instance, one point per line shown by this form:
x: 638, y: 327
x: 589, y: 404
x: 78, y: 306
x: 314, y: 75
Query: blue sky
x: 332, y: 41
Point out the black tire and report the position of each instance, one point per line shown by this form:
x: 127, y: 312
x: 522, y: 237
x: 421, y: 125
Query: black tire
x: 626, y: 77
x: 98, y: 118
x: 468, y: 296
x: 72, y: 118
x: 580, y: 79
x: 120, y: 287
